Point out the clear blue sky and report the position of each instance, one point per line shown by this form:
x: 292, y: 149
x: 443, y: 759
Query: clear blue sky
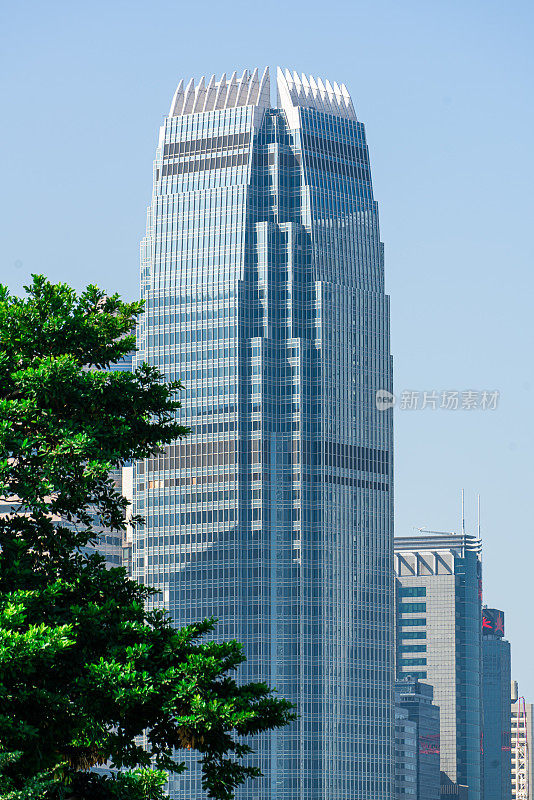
x: 445, y: 90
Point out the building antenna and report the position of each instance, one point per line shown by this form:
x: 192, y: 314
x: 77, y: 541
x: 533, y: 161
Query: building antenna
x: 478, y: 515
x: 463, y: 515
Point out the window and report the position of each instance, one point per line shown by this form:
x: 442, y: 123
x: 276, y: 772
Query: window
x: 406, y: 608
x: 412, y: 591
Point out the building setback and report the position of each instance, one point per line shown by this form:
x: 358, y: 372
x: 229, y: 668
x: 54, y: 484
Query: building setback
x: 438, y: 605
x: 262, y: 271
x: 496, y: 705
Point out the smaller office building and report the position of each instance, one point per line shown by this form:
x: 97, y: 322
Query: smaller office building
x: 439, y: 640
x: 415, y: 697
x: 496, y: 741
x: 405, y: 756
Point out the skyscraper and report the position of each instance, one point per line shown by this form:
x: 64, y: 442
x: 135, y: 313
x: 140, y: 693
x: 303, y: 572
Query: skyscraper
x: 439, y: 640
x: 522, y: 725
x: 405, y: 756
x: 113, y: 545
x: 415, y: 697
x: 262, y: 271
x: 496, y: 681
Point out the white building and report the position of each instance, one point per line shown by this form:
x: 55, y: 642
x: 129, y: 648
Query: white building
x: 522, y: 743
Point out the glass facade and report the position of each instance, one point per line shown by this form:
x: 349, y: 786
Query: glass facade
x: 262, y: 272
x: 496, y: 679
x: 438, y: 604
x: 405, y: 756
x: 415, y: 698
x: 113, y: 545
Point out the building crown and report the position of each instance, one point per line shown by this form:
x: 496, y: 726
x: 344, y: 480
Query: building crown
x: 250, y: 90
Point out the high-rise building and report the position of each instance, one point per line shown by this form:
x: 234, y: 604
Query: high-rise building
x: 438, y: 604
x: 123, y: 478
x: 262, y: 270
x: 522, y: 742
x: 110, y: 544
x: 496, y: 680
x: 405, y: 756
x: 115, y: 546
x: 415, y: 697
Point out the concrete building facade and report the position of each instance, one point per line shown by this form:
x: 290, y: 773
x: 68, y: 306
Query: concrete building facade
x: 522, y: 743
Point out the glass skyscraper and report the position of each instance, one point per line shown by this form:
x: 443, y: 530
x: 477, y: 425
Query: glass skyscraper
x: 496, y: 680
x: 439, y: 640
x: 405, y: 756
x: 262, y: 271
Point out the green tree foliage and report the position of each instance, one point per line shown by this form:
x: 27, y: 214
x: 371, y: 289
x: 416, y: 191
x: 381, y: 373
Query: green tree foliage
x: 85, y: 667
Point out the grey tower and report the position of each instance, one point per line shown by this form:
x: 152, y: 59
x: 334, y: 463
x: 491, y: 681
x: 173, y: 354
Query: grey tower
x: 439, y: 637
x: 262, y: 271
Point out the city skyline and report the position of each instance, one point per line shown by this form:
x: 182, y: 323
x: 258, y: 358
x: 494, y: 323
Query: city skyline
x: 443, y: 88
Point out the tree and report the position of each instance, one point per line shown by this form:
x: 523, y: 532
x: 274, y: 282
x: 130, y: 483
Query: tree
x: 85, y: 668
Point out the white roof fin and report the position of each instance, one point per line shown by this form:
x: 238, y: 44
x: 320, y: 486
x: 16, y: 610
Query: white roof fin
x: 200, y: 96
x: 189, y: 97
x: 324, y: 96
x: 305, y: 85
x: 264, y: 94
x: 211, y: 91
x: 242, y: 89
x: 220, y: 97
x: 245, y: 90
x: 232, y: 91
x: 177, y: 100
x: 253, y: 89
